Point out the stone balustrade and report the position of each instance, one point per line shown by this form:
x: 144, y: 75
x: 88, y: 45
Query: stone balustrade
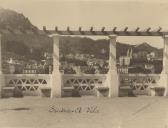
x: 27, y: 84
x: 85, y: 84
x: 141, y: 84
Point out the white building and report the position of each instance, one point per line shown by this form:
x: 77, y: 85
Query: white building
x: 124, y: 61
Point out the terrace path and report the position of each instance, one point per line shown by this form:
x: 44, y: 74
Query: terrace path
x: 126, y: 112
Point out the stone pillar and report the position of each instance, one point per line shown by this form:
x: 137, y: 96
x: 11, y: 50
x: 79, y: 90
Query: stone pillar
x: 1, y: 74
x: 0, y: 54
x: 113, y: 80
x: 164, y: 75
x: 165, y: 55
x: 56, y: 76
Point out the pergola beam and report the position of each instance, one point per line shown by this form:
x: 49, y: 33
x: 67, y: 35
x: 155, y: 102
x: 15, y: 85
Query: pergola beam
x: 103, y: 28
x: 137, y: 29
x: 114, y: 31
x: 91, y: 29
x: 106, y: 33
x: 159, y: 29
x: 91, y: 32
x: 126, y: 28
x: 148, y: 29
x: 80, y: 29
x: 56, y: 28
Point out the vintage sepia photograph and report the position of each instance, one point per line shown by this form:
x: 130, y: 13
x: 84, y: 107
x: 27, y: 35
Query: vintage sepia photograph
x: 83, y: 64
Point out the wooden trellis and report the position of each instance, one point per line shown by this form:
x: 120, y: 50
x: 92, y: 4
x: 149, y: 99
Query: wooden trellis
x: 102, y: 32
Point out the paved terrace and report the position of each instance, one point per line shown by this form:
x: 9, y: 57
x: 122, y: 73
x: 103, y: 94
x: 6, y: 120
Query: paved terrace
x: 127, y: 112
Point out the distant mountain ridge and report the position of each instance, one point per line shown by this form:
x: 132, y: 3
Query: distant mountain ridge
x: 146, y: 47
x: 87, y: 45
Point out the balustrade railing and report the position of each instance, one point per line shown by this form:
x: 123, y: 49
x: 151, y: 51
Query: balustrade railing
x: 28, y: 82
x: 84, y: 82
x: 139, y: 83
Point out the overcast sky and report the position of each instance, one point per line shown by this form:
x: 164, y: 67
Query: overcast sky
x: 96, y: 13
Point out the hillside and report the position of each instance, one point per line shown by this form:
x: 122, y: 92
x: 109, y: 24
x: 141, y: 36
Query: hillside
x: 21, y: 44
x: 10, y: 19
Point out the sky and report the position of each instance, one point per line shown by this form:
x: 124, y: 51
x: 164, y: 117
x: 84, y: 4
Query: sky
x: 96, y: 13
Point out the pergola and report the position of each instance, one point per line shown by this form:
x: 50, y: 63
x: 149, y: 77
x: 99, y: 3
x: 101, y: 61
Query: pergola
x: 104, y: 32
x: 112, y: 34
